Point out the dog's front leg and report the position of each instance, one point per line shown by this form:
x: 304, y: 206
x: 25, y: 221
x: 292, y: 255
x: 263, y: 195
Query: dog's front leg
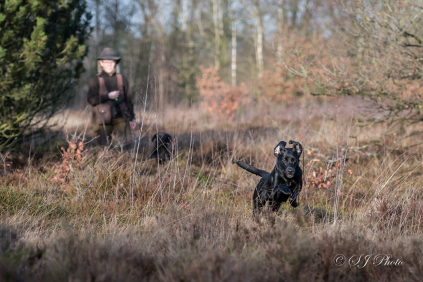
x: 294, y: 195
x: 279, y: 195
x: 285, y: 190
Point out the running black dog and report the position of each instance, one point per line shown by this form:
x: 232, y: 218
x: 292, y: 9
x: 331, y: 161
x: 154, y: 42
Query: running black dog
x: 162, y: 147
x: 283, y: 183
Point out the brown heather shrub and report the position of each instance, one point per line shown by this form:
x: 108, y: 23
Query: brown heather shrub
x: 205, y: 244
x: 191, y: 219
x: 397, y: 214
x: 221, y: 100
x: 71, y: 159
x: 320, y: 177
x: 280, y: 86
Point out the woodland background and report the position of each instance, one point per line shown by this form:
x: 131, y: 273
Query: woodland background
x: 243, y: 40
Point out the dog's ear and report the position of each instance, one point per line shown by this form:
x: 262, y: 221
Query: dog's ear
x: 280, y: 148
x: 297, y: 147
x: 154, y: 138
x: 167, y: 138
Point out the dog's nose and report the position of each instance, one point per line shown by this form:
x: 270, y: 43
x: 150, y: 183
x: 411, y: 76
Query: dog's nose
x: 290, y: 171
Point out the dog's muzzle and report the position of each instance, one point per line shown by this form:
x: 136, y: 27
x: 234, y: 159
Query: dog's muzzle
x: 290, y: 172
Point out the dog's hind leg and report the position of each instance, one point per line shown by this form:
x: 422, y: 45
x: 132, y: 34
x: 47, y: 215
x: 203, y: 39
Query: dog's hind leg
x: 259, y: 200
x: 153, y: 154
x: 276, y: 206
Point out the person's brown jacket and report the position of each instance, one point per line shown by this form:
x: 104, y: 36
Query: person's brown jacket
x: 94, y: 98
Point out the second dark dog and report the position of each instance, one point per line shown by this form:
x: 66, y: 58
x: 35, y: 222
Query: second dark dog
x: 162, y: 148
x: 283, y: 183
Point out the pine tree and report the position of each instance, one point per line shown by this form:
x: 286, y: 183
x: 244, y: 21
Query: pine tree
x: 41, y: 52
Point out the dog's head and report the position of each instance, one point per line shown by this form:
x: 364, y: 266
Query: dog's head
x: 163, y: 138
x: 288, y: 158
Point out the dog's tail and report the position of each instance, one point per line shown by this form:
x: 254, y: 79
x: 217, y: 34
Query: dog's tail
x: 252, y: 169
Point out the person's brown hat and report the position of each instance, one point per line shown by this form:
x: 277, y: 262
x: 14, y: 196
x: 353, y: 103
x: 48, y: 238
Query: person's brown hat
x: 109, y: 54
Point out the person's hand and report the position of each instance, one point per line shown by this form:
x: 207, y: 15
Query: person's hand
x: 133, y: 124
x: 113, y: 95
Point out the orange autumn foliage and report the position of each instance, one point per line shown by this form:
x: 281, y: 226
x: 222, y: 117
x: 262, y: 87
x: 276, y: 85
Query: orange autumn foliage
x: 71, y: 159
x: 220, y: 99
x: 279, y: 83
x: 280, y: 86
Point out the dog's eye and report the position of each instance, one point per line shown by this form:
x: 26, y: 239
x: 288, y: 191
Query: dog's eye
x: 293, y: 160
x: 285, y: 160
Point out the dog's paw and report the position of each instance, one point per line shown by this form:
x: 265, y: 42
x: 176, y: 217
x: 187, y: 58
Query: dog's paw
x: 285, y: 190
x: 294, y: 204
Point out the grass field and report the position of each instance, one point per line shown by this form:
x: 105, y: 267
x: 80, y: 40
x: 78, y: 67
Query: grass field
x: 117, y: 216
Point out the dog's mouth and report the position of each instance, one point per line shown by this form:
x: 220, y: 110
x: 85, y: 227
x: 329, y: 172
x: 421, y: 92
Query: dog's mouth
x: 290, y: 174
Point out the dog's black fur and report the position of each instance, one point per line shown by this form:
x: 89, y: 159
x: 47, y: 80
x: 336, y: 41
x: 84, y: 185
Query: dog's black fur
x: 162, y: 147
x: 283, y: 183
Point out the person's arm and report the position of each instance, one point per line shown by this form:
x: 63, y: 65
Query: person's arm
x: 92, y: 96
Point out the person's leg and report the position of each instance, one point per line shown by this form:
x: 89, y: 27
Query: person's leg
x: 121, y: 134
x: 103, y: 137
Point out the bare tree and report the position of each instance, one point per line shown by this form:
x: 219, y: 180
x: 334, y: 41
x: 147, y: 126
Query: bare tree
x: 161, y: 33
x: 377, y: 57
x: 216, y: 8
x: 97, y: 26
x: 233, y: 57
x: 117, y: 19
x: 280, y: 30
x: 257, y: 15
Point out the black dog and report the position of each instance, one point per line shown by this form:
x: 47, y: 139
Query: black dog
x: 283, y: 183
x: 162, y: 147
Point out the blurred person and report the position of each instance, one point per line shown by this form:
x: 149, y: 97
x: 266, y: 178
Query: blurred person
x: 113, y: 111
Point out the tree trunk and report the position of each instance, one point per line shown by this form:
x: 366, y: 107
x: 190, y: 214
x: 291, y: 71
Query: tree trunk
x: 161, y: 31
x: 115, y: 25
x: 220, y: 17
x: 306, y: 19
x: 185, y: 66
x: 280, y: 35
x: 259, y: 46
x: 97, y: 27
x: 216, y: 33
x: 233, y: 63
x: 190, y: 39
x: 259, y: 36
x: 294, y: 11
x: 184, y: 14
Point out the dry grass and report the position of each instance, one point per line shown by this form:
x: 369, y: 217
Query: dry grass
x: 191, y: 219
